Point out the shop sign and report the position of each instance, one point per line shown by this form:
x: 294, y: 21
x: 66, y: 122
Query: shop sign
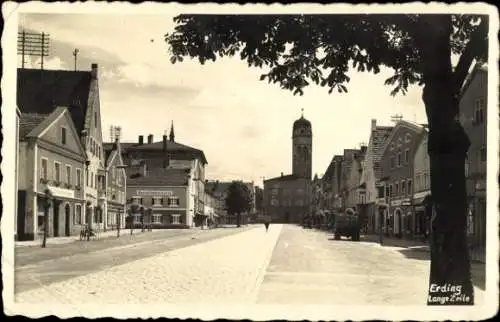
x: 421, y: 194
x: 154, y: 193
x: 61, y: 192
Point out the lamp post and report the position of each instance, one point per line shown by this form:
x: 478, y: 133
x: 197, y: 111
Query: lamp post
x: 46, y: 207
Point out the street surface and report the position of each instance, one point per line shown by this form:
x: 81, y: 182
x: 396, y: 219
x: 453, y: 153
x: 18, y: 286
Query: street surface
x: 286, y: 265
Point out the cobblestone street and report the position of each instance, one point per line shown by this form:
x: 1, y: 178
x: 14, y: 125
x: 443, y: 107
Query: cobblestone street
x: 287, y: 265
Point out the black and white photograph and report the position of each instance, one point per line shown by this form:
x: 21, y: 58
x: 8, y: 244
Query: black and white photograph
x: 260, y: 162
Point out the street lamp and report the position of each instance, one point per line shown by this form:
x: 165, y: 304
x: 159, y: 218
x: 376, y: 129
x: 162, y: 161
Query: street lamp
x: 46, y: 207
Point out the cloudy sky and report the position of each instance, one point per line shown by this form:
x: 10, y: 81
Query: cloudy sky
x: 243, y: 125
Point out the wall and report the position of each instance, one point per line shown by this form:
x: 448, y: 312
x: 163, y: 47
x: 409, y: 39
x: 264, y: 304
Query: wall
x: 421, y: 166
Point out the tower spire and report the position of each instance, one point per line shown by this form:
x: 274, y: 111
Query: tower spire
x: 302, y: 112
x: 172, y: 135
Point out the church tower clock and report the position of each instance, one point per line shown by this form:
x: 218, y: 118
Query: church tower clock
x: 302, y: 148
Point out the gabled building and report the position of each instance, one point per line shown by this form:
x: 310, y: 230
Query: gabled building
x: 473, y: 112
x: 398, y: 155
x: 371, y: 174
x: 51, y: 165
x: 41, y: 91
x: 116, y: 183
x: 422, y: 206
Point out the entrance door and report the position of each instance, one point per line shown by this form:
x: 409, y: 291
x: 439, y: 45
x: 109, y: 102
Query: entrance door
x: 67, y: 218
x: 55, y: 220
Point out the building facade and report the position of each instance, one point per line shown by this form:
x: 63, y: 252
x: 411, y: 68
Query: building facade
x: 473, y: 107
x: 397, y: 171
x: 160, y: 199
x: 352, y: 165
x: 422, y: 207
x: 371, y: 174
x: 16, y: 176
x: 40, y: 91
x: 115, y: 187
x: 51, y: 164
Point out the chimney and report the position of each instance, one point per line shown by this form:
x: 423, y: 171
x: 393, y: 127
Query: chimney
x: 93, y: 71
x: 164, y: 143
x: 374, y: 124
x: 282, y: 174
x: 150, y: 139
x: 141, y: 139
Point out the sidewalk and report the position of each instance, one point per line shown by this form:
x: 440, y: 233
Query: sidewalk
x: 72, y: 239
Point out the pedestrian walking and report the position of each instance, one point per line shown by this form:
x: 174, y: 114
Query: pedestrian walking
x: 266, y: 223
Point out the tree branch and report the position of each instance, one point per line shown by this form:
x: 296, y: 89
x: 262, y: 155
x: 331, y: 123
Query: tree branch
x: 475, y: 47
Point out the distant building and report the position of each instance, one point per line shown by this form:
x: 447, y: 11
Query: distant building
x: 219, y: 190
x: 352, y: 166
x: 287, y: 197
x: 144, y: 156
x: 52, y: 159
x: 161, y: 198
x: 473, y: 110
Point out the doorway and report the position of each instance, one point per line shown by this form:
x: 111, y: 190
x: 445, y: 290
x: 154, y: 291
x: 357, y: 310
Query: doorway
x: 55, y: 221
x: 67, y: 218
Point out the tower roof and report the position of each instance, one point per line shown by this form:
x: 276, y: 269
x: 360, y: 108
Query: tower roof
x: 302, y: 122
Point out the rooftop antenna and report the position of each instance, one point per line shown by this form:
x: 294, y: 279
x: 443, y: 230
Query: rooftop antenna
x: 75, y: 54
x: 32, y: 44
x: 112, y: 133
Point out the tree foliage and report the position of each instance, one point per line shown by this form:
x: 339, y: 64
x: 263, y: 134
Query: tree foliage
x: 238, y: 199
x: 299, y: 50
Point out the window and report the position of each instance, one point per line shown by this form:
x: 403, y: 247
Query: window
x: 399, y: 159
x: 387, y: 192
x: 95, y: 119
x: 417, y: 183
x: 156, y: 219
x: 425, y: 180
x: 91, y: 179
x: 390, y: 191
x: 173, y: 201
x: 68, y: 174
x: 43, y: 169
x: 407, y: 155
x: 175, y: 219
x: 87, y: 177
x: 403, y: 188
x: 57, y: 171
x: 396, y: 192
x: 77, y: 215
x: 482, y: 153
x: 479, y: 106
x: 409, y: 187
x: 96, y: 181
x: 78, y: 177
x: 63, y: 135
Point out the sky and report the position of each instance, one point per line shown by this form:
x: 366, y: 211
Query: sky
x: 243, y: 125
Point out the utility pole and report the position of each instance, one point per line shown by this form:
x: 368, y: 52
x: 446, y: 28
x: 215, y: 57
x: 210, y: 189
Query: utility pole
x: 33, y: 44
x: 75, y: 54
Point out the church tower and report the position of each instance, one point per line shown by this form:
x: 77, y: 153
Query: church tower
x: 302, y: 148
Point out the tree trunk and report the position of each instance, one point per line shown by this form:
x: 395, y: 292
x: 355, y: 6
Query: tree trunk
x: 450, y: 277
x: 238, y: 220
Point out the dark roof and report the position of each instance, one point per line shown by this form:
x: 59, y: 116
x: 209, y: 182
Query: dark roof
x: 28, y: 121
x: 379, y: 137
x: 158, y: 177
x: 172, y: 146
x: 302, y: 122
x: 41, y: 91
x: 287, y: 177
